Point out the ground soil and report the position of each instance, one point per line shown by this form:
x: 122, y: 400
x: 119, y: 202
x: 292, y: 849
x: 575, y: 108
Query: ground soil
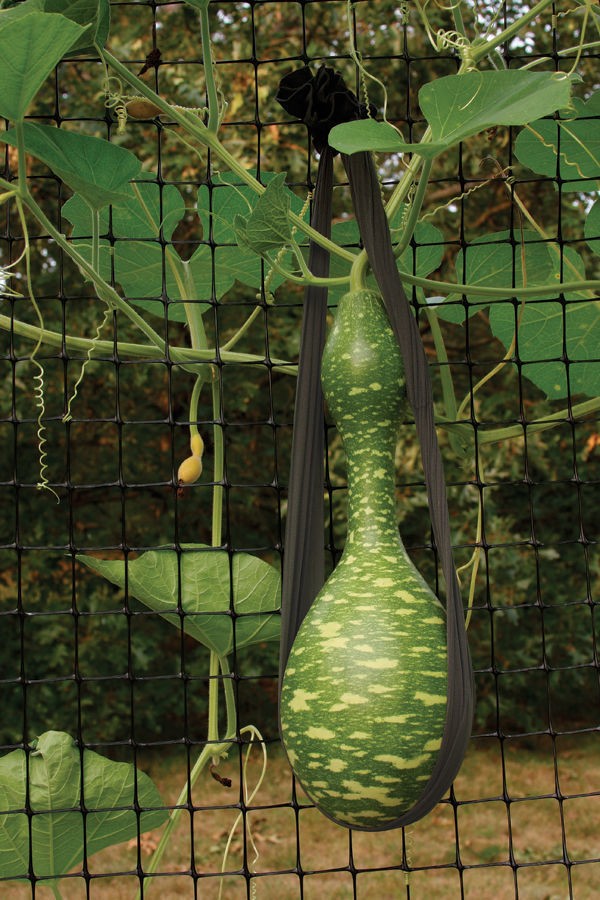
x: 526, y: 819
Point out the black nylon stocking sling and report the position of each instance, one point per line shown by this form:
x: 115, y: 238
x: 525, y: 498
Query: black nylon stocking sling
x: 304, y: 569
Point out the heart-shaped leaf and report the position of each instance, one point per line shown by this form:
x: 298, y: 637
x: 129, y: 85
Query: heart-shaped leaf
x: 110, y: 790
x: 227, y: 197
x: 31, y: 45
x: 217, y: 208
x: 367, y: 134
x: 206, y: 581
x: 592, y: 228
x: 267, y: 228
x: 545, y: 325
x: 545, y: 329
x: 492, y: 261
x: 459, y: 106
x: 139, y: 264
x: 541, y: 340
x: 98, y: 170
x: 92, y: 15
x: 95, y: 14
x: 139, y: 270
x: 537, y: 146
x: 231, y: 264
x: 139, y: 214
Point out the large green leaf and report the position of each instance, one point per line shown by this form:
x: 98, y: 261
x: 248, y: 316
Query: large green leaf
x: 93, y: 13
x: 218, y: 204
x: 490, y: 261
x: 139, y: 264
x: 267, y: 228
x: 139, y: 214
x: 367, y: 134
x: 31, y: 45
x: 546, y: 328
x: 139, y: 270
x: 13, y: 9
x: 57, y: 828
x: 592, y: 228
x: 537, y: 146
x: 208, y: 581
x: 98, y: 170
x: 541, y: 334
x: 217, y: 207
x: 231, y: 264
x: 227, y: 197
x: 546, y: 325
x: 459, y: 106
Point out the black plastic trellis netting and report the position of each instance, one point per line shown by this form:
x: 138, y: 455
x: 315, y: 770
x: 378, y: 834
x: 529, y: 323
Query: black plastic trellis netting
x: 83, y: 657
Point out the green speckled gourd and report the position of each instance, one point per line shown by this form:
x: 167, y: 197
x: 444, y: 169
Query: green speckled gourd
x: 363, y: 697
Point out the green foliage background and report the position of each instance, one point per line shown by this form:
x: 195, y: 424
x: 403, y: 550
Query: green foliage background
x: 81, y: 658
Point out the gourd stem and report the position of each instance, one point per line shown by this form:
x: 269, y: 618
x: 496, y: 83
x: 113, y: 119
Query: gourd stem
x: 209, y: 71
x: 591, y: 45
x: 498, y: 293
x: 193, y: 315
x: 458, y: 19
x: 307, y: 278
x: 229, y: 696
x: 404, y: 185
x: 213, y: 750
x: 95, y: 213
x: 218, y: 464
x: 98, y: 348
x: 242, y: 329
x: 478, y: 52
x: 358, y: 272
x: 213, y: 700
x: 181, y: 803
x: 415, y: 209
x: 199, y: 342
x: 8, y: 187
x: 22, y: 170
x: 572, y: 413
x: 194, y: 405
x: 442, y: 358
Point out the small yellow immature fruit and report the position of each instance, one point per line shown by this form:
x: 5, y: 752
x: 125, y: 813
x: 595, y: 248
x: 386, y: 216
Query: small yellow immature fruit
x: 197, y: 445
x: 189, y: 470
x: 141, y: 108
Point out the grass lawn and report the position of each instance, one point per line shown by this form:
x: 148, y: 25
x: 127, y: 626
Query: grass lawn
x: 506, y: 808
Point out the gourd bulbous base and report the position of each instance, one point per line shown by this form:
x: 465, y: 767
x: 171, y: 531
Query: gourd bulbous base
x: 364, y: 692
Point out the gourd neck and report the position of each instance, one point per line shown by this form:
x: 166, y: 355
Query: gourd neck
x: 372, y: 516
x: 364, y: 388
